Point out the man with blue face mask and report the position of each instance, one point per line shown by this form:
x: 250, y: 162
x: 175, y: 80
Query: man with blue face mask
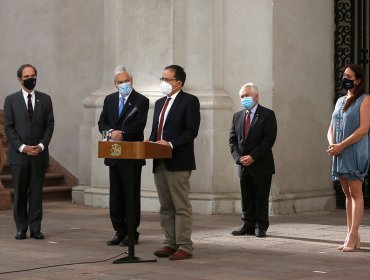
x: 253, y: 133
x: 124, y: 115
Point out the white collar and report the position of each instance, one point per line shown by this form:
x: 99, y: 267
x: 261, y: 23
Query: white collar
x: 25, y: 93
x: 253, y: 109
x: 173, y: 96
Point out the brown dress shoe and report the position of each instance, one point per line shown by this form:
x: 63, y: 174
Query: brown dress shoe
x: 180, y: 255
x: 164, y: 252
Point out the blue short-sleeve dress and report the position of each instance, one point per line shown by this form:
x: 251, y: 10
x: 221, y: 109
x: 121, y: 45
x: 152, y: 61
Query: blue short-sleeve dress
x: 353, y: 162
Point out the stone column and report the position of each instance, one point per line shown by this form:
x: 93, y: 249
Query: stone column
x: 188, y: 33
x: 198, y: 46
x: 303, y: 99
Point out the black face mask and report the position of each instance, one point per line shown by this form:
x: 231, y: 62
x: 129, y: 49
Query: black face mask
x: 29, y: 83
x: 347, y: 83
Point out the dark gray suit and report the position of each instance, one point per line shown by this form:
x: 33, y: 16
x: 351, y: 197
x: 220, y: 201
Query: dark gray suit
x: 28, y: 172
x: 255, y: 179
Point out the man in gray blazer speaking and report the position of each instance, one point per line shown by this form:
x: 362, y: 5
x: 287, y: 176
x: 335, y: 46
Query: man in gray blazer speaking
x: 29, y: 126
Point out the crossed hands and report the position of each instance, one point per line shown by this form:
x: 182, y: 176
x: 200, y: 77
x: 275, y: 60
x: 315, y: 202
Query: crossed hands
x: 117, y: 135
x: 32, y: 150
x: 334, y: 149
x: 246, y: 160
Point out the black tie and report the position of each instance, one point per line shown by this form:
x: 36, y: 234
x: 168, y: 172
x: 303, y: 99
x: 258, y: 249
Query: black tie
x: 29, y: 106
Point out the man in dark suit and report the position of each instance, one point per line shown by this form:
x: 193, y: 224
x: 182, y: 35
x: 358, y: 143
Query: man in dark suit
x: 124, y: 115
x: 252, y: 136
x: 29, y: 126
x: 176, y: 123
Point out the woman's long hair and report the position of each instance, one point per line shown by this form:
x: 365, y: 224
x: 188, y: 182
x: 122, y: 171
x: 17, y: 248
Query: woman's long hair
x: 360, y: 88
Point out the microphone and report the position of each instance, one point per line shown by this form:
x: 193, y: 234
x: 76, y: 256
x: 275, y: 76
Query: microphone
x: 136, y: 108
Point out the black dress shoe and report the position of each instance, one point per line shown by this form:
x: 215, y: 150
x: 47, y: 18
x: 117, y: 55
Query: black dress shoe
x: 37, y: 235
x: 116, y: 239
x: 260, y: 232
x: 21, y: 235
x: 125, y: 241
x: 244, y: 231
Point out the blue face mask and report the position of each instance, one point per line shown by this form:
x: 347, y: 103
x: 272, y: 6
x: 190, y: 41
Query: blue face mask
x: 247, y: 102
x: 125, y: 89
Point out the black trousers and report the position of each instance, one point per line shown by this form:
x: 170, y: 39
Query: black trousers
x: 28, y: 181
x: 118, y: 197
x: 255, y: 193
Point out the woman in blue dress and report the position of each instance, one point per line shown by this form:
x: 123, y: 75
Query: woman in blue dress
x: 348, y: 137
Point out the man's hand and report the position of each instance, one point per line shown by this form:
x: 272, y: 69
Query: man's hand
x: 246, y: 160
x: 116, y: 135
x: 163, y: 142
x: 32, y: 150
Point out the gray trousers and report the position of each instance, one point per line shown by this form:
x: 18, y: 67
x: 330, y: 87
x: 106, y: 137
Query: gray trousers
x: 175, y: 212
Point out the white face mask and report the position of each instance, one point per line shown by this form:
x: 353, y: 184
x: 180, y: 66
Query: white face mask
x: 165, y: 88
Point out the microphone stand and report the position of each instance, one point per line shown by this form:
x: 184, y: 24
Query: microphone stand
x: 129, y: 116
x: 130, y: 211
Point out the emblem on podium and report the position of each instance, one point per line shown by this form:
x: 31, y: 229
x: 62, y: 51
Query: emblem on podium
x: 116, y: 150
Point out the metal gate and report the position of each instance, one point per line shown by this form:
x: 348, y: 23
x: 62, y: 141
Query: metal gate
x: 352, y: 45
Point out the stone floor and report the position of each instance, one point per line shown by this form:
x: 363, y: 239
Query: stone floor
x: 301, y: 246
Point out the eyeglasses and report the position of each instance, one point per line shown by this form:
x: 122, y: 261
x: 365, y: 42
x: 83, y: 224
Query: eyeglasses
x: 166, y: 79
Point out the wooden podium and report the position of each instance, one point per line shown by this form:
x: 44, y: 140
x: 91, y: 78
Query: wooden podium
x: 131, y: 151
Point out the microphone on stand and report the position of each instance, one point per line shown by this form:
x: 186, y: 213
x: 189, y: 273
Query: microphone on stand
x: 136, y: 108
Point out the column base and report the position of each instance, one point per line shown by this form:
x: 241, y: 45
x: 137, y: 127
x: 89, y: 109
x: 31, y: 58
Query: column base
x: 90, y: 196
x: 201, y: 203
x: 222, y: 203
x: 320, y: 200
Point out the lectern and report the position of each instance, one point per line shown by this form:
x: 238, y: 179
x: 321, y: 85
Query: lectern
x: 131, y: 151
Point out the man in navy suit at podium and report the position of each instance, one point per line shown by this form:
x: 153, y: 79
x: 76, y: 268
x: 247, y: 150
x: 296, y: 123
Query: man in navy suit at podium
x: 124, y: 115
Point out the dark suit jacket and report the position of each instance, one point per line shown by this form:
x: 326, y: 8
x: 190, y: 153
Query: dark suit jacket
x: 20, y: 130
x: 134, y: 125
x: 180, y: 128
x: 259, y: 142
